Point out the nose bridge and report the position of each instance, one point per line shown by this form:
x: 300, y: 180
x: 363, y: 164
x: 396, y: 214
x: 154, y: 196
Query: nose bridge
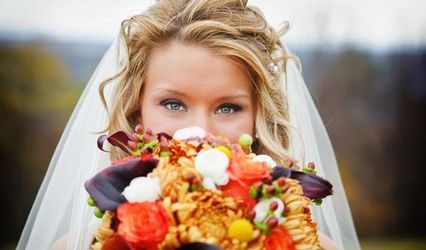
x: 201, y: 118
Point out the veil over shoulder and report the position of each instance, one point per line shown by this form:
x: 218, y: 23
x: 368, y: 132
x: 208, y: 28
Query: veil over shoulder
x: 309, y: 142
x: 60, y: 208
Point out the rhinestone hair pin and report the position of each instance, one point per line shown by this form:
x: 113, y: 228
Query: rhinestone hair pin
x: 274, y: 69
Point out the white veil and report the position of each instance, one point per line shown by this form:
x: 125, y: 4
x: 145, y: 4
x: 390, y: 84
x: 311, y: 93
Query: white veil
x: 309, y: 142
x: 60, y: 208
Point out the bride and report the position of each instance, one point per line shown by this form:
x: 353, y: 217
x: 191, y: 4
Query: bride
x: 216, y: 64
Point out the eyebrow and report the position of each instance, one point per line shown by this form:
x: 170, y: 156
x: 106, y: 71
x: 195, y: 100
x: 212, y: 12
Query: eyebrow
x: 176, y: 92
x: 183, y: 94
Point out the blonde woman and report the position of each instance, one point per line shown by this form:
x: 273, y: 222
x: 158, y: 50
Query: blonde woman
x: 215, y: 64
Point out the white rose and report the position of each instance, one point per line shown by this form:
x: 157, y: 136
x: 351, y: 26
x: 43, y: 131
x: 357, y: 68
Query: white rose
x: 262, y: 209
x: 143, y: 189
x: 265, y: 158
x: 209, y: 183
x: 187, y: 133
x: 212, y: 164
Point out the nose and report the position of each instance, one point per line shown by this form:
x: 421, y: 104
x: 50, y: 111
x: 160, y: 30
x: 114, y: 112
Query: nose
x: 202, y: 119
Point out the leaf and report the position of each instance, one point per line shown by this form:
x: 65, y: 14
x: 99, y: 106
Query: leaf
x: 100, y: 142
x: 106, y: 187
x: 314, y: 187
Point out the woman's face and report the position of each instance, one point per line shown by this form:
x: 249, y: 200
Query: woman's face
x: 189, y: 86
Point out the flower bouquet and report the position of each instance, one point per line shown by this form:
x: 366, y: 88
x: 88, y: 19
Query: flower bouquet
x: 199, y: 191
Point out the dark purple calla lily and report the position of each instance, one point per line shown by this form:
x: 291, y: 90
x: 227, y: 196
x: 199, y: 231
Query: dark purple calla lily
x: 118, y: 139
x: 165, y: 135
x: 199, y: 246
x: 314, y: 187
x: 106, y: 187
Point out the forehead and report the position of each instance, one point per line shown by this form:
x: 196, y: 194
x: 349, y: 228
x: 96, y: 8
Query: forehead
x: 194, y: 68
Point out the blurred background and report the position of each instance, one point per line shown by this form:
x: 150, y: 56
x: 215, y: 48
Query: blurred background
x: 364, y: 62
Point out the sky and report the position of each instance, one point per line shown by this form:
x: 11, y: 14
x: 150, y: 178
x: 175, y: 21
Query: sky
x: 371, y: 23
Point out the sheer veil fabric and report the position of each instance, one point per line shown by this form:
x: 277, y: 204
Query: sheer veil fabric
x: 309, y: 142
x: 60, y: 208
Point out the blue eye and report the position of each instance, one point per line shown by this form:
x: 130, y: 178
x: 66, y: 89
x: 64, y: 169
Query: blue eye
x: 173, y: 105
x: 228, y: 109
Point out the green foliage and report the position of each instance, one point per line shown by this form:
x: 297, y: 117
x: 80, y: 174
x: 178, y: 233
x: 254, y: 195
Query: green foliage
x: 34, y: 81
x: 37, y: 95
x: 393, y: 243
x: 376, y: 123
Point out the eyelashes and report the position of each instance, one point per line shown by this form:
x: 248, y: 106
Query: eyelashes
x: 174, y: 105
x: 228, y: 108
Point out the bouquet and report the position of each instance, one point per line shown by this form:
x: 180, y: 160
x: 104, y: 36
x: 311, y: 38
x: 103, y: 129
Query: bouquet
x: 199, y: 191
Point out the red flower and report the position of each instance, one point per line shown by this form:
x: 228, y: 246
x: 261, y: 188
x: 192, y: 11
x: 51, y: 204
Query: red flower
x: 246, y: 170
x: 279, y: 239
x: 243, y: 173
x: 237, y: 190
x: 146, y: 156
x: 143, y: 224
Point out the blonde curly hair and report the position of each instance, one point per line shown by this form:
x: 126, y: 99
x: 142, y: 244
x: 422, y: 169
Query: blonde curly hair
x: 227, y: 28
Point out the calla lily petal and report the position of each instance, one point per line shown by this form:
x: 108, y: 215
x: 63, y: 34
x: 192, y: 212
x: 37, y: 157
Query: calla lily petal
x: 314, y: 187
x: 199, y: 246
x: 106, y: 187
x: 118, y: 139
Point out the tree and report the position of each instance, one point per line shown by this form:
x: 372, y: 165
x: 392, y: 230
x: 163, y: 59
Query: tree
x: 36, y: 98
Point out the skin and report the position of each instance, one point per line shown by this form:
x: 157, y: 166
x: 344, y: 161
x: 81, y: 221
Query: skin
x: 190, y: 86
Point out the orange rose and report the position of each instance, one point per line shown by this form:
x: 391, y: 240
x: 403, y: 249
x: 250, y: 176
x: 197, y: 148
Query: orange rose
x: 243, y: 173
x: 279, y: 239
x: 236, y: 190
x: 143, y: 224
x: 246, y: 170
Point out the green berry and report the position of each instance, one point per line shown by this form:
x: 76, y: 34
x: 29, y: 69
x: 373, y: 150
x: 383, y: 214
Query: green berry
x: 91, y: 202
x: 277, y: 187
x: 136, y: 153
x: 254, y: 192
x: 245, y: 140
x: 309, y: 170
x: 98, y: 213
x: 263, y: 227
x: 151, y: 144
x: 140, y: 137
x: 264, y: 192
x: 164, y: 154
